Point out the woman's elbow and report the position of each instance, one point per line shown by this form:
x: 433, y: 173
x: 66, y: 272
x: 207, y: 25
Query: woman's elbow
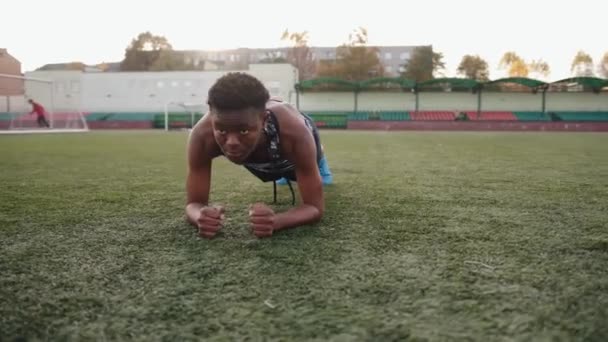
x: 318, y: 214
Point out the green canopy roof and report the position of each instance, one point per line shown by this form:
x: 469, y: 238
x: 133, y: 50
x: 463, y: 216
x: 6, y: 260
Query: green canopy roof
x: 309, y: 84
x: 403, y: 82
x: 453, y: 81
x: 528, y: 82
x: 593, y: 82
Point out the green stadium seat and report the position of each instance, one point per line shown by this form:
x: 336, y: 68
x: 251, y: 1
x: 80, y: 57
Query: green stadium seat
x: 531, y: 116
x: 583, y: 116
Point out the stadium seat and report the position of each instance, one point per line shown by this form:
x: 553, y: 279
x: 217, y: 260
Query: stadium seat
x: 531, y: 116
x: 433, y: 116
x: 491, y: 116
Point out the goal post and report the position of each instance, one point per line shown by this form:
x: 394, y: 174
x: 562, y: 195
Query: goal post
x: 182, y: 115
x: 17, y: 114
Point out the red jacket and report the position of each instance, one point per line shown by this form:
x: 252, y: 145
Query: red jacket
x: 38, y: 109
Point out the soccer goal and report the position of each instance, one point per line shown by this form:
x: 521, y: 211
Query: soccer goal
x: 183, y: 115
x: 60, y: 114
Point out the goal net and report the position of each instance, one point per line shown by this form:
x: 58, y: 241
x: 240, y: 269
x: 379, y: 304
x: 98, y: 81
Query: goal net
x: 58, y: 110
x: 182, y: 115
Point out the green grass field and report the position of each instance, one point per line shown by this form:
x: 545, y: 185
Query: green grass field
x: 427, y: 236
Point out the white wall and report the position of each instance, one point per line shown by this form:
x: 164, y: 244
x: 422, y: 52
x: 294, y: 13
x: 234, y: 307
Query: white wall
x: 279, y: 79
x: 390, y: 101
x: 147, y: 91
x: 452, y: 101
x: 150, y: 91
x: 14, y: 104
x: 496, y: 101
x: 144, y: 91
x: 554, y: 101
x: 330, y: 101
x: 577, y: 102
x: 64, y: 94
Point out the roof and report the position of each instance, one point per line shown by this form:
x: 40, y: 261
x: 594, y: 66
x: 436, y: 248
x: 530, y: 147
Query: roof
x: 592, y: 82
x: 110, y: 67
x: 309, y: 84
x: 4, y: 53
x: 596, y: 84
x: 53, y: 67
x: 466, y: 83
x: 528, y: 82
x: 402, y: 82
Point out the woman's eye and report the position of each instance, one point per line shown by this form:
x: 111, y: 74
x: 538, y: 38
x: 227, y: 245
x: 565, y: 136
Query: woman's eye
x: 244, y: 131
x: 222, y: 132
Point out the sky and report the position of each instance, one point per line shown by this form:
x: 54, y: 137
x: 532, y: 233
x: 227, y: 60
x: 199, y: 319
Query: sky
x: 38, y: 32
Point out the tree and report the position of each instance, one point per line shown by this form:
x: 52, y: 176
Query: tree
x: 603, y: 67
x: 423, y: 64
x: 540, y: 67
x: 355, y: 61
x: 518, y: 67
x: 273, y: 58
x: 515, y: 65
x: 103, y: 66
x: 474, y: 67
x: 74, y: 66
x: 582, y: 64
x: 300, y: 55
x: 176, y: 61
x: 146, y: 51
x: 79, y: 66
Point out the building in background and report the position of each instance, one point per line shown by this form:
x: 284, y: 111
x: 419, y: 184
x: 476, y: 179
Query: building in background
x: 9, y: 65
x: 393, y: 58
